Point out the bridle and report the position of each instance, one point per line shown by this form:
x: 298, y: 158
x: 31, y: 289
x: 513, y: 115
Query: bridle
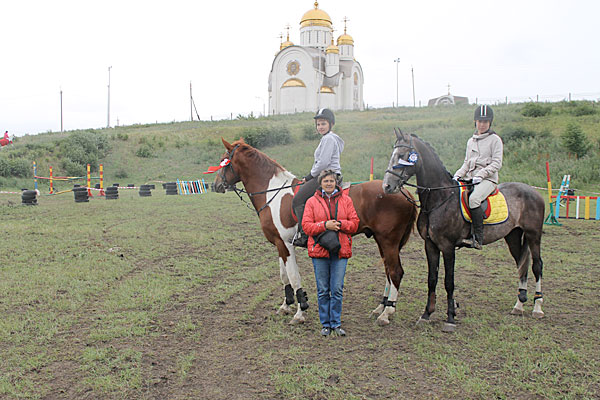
x: 239, y: 192
x: 224, y: 170
x: 403, y: 165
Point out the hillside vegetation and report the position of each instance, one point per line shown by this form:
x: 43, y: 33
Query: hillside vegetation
x: 567, y: 134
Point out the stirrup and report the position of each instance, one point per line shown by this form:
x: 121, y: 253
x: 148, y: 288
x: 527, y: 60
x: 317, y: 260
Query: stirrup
x: 469, y: 243
x: 300, y: 240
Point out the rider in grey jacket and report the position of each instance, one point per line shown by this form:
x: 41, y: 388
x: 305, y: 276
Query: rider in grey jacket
x: 327, y: 157
x: 483, y: 160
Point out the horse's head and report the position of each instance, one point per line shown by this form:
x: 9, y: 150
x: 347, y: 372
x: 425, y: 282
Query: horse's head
x: 228, y: 177
x: 402, y: 163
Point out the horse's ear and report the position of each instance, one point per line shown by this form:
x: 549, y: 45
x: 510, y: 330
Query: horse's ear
x: 227, y: 145
x: 242, y: 140
x: 399, y: 134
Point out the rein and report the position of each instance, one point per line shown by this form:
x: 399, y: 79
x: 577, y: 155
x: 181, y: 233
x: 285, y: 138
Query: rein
x: 250, y: 194
x: 426, y: 189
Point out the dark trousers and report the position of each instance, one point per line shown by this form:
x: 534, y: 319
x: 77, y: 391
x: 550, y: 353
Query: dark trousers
x: 304, y: 193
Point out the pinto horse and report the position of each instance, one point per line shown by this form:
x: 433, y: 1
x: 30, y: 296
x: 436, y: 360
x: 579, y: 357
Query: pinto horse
x: 389, y: 218
x: 442, y: 227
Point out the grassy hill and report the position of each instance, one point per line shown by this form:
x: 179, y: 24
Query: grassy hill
x: 165, y: 152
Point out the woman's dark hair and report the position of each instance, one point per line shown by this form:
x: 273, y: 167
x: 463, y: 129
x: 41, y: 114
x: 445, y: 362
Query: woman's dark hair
x: 325, y: 173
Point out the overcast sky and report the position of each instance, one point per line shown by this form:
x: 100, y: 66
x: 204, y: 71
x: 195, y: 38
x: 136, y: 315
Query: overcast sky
x: 484, y: 49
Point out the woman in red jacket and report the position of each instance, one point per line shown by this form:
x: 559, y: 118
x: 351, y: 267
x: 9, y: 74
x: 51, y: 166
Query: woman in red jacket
x: 330, y: 209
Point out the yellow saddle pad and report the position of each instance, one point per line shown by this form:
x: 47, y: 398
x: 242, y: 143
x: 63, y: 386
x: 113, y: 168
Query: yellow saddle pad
x: 496, y: 211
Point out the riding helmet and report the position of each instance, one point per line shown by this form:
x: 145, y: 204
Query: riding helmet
x: 484, y: 113
x: 326, y: 114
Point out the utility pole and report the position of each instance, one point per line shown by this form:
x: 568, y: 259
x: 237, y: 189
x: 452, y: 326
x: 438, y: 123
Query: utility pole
x: 61, y: 111
x: 413, y: 82
x: 397, y: 61
x: 191, y: 104
x: 108, y: 117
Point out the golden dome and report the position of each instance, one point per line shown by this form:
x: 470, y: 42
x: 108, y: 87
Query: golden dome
x: 332, y: 48
x: 285, y: 44
x: 345, y: 39
x: 327, y: 89
x: 315, y: 16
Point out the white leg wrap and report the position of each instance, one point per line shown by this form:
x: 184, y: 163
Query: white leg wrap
x: 384, y: 318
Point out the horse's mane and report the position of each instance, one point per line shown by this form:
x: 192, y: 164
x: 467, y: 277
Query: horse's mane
x: 430, y: 147
x: 258, y: 158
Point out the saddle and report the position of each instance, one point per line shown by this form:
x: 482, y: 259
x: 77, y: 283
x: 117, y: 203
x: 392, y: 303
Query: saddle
x: 495, y: 208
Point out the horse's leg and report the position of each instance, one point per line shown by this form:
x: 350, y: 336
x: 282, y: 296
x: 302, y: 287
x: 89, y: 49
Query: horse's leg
x: 433, y: 264
x: 520, y: 252
x: 395, y: 273
x: 386, y: 292
x: 537, y: 268
x: 449, y: 255
x: 289, y: 291
x: 293, y: 275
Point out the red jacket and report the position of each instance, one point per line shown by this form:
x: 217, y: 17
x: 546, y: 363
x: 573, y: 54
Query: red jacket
x: 316, y: 214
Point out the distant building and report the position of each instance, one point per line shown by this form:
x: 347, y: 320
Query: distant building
x: 448, y: 100
x: 317, y: 73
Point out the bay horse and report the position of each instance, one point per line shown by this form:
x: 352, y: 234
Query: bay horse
x: 442, y: 227
x: 388, y: 217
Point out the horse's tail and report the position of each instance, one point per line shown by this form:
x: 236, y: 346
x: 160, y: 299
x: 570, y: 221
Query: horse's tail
x: 524, y: 258
x: 410, y: 226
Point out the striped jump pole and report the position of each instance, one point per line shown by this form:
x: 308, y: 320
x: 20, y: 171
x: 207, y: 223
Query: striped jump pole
x: 34, y: 175
x: 89, y: 181
x: 51, y: 181
x: 549, y: 183
x: 101, y: 180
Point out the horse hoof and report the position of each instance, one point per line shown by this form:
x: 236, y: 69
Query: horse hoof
x: 537, y: 314
x: 296, y: 321
x: 516, y: 311
x: 283, y: 311
x: 383, y: 322
x: 448, y: 327
x: 423, y: 322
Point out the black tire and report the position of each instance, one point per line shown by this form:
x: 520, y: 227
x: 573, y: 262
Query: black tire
x: 115, y: 184
x: 112, y: 197
x: 152, y: 187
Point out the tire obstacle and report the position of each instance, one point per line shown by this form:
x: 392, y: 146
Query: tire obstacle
x: 82, y: 194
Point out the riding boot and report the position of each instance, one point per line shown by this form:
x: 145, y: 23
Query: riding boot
x: 477, y: 218
x: 301, y: 238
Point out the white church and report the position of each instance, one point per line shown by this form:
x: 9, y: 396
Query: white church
x: 317, y: 73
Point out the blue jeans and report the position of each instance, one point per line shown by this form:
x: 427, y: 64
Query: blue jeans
x: 329, y: 273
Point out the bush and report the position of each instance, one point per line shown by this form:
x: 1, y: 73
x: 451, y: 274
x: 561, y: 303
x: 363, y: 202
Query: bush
x: 518, y: 133
x: 575, y: 140
x: 18, y: 168
x: 82, y: 148
x: 72, y: 168
x: 145, y: 151
x: 121, y: 174
x: 583, y: 108
x: 261, y: 137
x: 536, y: 110
x: 309, y: 132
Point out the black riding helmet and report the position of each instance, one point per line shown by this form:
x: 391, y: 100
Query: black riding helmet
x: 326, y: 114
x: 484, y: 113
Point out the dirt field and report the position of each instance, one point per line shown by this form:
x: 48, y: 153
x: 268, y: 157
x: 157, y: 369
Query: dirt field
x: 216, y: 336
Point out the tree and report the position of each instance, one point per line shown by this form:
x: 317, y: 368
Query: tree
x: 575, y: 140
